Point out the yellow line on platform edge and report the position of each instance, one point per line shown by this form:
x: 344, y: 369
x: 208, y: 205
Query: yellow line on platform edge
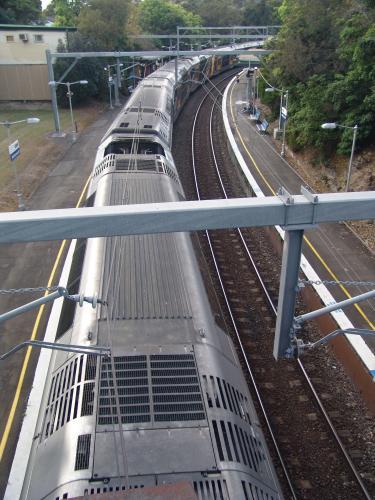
x: 8, y: 426
x: 308, y: 242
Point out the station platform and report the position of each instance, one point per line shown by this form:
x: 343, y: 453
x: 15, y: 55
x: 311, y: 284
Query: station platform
x: 333, y: 250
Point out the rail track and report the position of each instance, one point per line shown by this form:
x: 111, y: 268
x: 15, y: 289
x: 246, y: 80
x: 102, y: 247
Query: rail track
x: 313, y: 460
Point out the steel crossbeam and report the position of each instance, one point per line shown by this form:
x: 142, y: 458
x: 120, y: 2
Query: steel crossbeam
x: 152, y: 218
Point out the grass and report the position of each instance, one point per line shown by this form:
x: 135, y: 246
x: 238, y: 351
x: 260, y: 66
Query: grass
x: 39, y: 152
x: 32, y: 138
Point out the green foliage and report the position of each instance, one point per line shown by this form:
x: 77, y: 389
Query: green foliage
x: 325, y: 56
x: 163, y: 17
x: 103, y: 23
x: 263, y: 12
x: 89, y: 69
x: 64, y: 12
x: 20, y: 11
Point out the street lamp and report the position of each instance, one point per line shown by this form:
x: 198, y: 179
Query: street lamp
x: 283, y: 112
x: 7, y: 124
x: 69, y: 94
x: 332, y: 126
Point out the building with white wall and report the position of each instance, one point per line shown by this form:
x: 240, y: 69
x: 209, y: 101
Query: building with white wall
x: 23, y: 65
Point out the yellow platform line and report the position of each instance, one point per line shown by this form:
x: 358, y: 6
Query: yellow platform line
x: 12, y: 412
x: 308, y: 242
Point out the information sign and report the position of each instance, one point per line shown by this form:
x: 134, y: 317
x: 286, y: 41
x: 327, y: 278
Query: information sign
x: 14, y: 150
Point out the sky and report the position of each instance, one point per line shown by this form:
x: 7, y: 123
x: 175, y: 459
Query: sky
x: 45, y: 3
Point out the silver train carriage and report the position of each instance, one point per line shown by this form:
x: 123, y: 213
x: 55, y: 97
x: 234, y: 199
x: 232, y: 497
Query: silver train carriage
x: 172, y: 403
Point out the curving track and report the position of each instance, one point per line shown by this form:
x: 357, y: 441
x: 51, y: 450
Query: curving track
x: 312, y: 457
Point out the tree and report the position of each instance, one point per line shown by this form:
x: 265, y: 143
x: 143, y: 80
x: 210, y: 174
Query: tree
x: 20, y: 11
x: 261, y: 12
x: 220, y: 13
x: 103, y: 22
x: 325, y: 56
x: 64, y: 12
x: 163, y: 17
x: 89, y: 69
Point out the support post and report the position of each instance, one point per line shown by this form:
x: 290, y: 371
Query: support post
x: 118, y: 74
x: 351, y: 158
x: 51, y: 78
x: 176, y: 60
x: 288, y: 291
x: 116, y: 86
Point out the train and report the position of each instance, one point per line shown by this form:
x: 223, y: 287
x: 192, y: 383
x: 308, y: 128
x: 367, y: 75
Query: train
x: 170, y: 405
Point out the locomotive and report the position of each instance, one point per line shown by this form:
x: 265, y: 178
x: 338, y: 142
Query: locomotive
x: 171, y: 403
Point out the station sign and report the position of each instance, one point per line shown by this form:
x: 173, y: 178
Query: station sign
x: 14, y: 150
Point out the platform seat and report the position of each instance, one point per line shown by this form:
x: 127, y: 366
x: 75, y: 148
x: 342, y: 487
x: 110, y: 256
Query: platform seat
x: 263, y: 126
x: 255, y: 117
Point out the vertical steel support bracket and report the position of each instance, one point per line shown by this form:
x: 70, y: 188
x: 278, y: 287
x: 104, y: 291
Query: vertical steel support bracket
x: 51, y: 78
x: 288, y: 282
x: 292, y: 250
x: 287, y: 293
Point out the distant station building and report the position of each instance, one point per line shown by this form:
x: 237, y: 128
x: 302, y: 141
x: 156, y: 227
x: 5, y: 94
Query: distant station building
x: 23, y: 65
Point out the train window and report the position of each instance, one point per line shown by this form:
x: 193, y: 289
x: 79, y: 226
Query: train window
x: 127, y: 146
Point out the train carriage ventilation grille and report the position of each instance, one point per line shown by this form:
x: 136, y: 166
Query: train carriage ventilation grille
x: 71, y: 394
x: 119, y: 163
x: 83, y: 452
x: 234, y: 444
x: 221, y: 394
x: 212, y: 489
x: 133, y: 391
x: 252, y: 491
x: 175, y: 388
x: 173, y: 395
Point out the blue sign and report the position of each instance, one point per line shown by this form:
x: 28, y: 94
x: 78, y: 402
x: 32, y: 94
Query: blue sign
x: 14, y: 150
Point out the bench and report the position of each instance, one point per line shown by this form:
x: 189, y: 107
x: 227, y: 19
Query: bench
x: 263, y: 126
x: 255, y: 117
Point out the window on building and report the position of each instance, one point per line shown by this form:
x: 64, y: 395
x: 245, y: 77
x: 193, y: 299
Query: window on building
x: 38, y: 38
x: 10, y: 38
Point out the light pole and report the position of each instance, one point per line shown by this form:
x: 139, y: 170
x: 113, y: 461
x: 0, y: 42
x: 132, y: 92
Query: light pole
x: 7, y: 124
x: 332, y: 126
x: 69, y: 94
x: 284, y: 94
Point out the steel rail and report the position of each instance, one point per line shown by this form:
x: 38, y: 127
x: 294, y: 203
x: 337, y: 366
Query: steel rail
x: 251, y: 375
x: 299, y: 362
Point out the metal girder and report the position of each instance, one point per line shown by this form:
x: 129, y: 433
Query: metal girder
x: 52, y: 88
x: 221, y: 28
x: 213, y: 36
x: 67, y: 71
x: 184, y: 216
x: 162, y: 53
